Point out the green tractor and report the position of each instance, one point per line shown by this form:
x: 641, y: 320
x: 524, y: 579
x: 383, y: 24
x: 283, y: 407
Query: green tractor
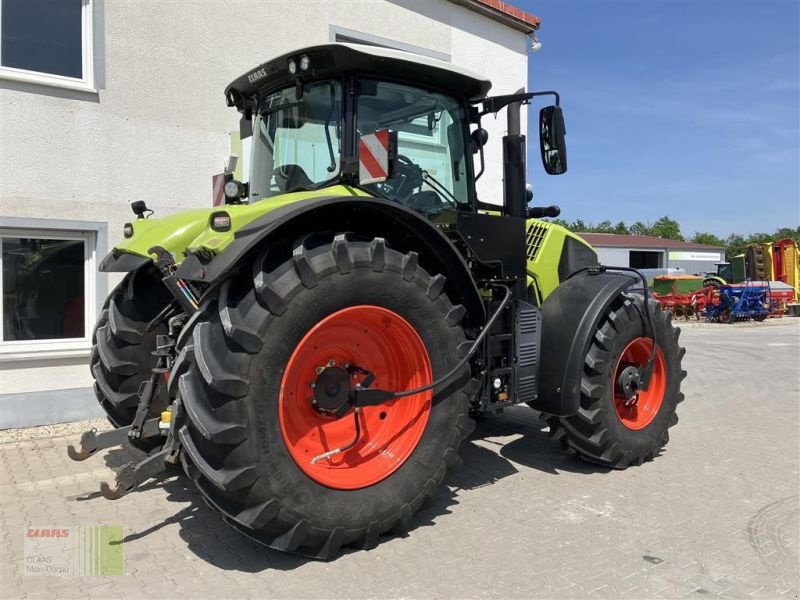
x: 313, y: 351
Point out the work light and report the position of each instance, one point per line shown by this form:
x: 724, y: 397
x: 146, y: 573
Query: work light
x: 232, y: 189
x: 220, y: 221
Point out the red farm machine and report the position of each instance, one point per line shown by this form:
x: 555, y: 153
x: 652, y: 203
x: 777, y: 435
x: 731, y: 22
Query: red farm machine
x: 760, y: 283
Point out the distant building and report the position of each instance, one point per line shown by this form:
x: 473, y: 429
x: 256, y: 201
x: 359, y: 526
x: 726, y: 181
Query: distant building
x: 647, y: 252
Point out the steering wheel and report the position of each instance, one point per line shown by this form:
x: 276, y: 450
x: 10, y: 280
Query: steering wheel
x: 407, y: 177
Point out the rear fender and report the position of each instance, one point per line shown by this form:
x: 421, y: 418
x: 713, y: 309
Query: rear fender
x: 570, y: 317
x: 403, y: 229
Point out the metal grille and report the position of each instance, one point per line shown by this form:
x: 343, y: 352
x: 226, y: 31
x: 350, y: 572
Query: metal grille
x: 536, y: 233
x: 526, y: 389
x: 528, y: 320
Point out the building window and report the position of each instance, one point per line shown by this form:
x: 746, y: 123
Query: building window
x: 645, y: 260
x: 47, y: 42
x: 48, y: 290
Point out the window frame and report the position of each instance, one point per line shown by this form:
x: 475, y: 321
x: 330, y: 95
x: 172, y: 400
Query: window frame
x: 94, y: 236
x: 248, y: 145
x: 338, y: 33
x: 86, y: 83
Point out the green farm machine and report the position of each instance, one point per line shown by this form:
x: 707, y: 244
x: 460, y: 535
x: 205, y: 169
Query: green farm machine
x: 313, y: 351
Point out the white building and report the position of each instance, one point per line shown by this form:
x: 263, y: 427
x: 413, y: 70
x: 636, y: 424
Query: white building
x: 648, y: 252
x: 105, y: 102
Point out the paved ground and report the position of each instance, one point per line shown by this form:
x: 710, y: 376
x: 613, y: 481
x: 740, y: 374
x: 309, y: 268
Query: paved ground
x: 715, y: 515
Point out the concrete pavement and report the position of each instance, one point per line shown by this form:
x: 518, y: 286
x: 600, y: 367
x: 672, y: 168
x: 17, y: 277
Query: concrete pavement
x: 716, y: 515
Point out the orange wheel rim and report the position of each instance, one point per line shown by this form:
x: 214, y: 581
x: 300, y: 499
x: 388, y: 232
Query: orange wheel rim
x: 382, y: 342
x: 641, y: 413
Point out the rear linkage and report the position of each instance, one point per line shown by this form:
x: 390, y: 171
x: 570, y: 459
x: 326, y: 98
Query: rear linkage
x: 135, y: 472
x: 143, y: 428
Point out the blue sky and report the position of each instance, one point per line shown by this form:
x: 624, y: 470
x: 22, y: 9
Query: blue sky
x: 686, y: 107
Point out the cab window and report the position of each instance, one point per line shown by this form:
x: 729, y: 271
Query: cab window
x: 431, y: 171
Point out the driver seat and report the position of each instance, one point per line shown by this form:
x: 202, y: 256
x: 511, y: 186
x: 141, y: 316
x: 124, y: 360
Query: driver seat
x: 290, y: 178
x: 425, y: 202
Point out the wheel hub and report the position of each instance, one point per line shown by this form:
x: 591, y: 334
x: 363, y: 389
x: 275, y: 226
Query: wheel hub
x: 637, y: 407
x: 331, y: 389
x: 628, y: 384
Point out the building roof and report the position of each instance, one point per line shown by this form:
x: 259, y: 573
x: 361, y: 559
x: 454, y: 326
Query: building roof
x: 613, y: 240
x: 504, y: 13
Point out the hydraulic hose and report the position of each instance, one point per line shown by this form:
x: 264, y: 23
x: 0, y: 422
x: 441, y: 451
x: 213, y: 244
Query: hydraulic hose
x: 371, y: 397
x: 449, y: 375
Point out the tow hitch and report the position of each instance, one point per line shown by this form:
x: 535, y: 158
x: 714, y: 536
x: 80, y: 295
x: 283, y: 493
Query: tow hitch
x: 91, y: 441
x: 137, y: 472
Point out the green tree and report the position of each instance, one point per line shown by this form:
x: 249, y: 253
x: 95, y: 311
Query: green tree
x: 578, y: 225
x: 639, y: 228
x: 788, y: 233
x: 669, y: 228
x: 603, y: 227
x: 707, y: 239
x: 734, y: 244
x: 666, y: 228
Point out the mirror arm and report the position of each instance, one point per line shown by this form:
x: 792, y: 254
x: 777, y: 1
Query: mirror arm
x: 497, y: 103
x: 548, y: 93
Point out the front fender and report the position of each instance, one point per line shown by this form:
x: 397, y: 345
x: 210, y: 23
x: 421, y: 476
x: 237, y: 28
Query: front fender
x: 570, y: 317
x: 118, y: 261
x: 403, y: 229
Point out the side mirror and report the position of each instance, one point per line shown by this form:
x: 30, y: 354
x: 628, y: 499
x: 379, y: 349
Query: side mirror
x: 551, y: 140
x: 479, y: 138
x: 377, y: 156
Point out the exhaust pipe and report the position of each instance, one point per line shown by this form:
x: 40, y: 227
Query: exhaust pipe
x: 515, y: 202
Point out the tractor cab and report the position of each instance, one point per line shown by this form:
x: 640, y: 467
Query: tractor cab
x: 393, y: 124
x: 316, y: 119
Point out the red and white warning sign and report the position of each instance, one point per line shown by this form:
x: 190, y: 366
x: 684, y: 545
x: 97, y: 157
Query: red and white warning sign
x: 218, y: 189
x: 373, y: 156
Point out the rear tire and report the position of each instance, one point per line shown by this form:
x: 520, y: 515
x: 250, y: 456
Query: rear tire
x: 604, y: 430
x: 122, y: 357
x: 232, y: 380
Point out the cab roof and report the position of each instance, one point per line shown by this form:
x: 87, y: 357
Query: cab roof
x: 338, y: 59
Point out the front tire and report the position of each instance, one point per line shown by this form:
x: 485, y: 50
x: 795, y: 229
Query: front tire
x: 121, y: 359
x: 609, y: 429
x: 245, y: 382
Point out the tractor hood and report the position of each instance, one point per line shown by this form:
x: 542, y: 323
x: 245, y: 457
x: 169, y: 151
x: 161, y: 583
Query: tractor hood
x: 191, y: 231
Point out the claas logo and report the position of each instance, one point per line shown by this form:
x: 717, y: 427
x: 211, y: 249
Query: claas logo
x: 47, y: 532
